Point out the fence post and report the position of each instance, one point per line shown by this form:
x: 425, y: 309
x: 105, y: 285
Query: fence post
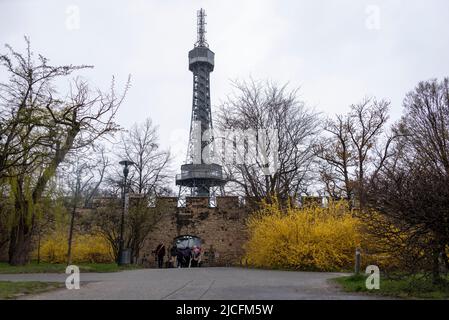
x: 357, y: 261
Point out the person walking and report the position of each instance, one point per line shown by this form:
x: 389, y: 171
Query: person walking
x: 173, y: 256
x: 179, y: 258
x: 184, y: 258
x: 196, y: 256
x: 188, y: 257
x: 160, y: 253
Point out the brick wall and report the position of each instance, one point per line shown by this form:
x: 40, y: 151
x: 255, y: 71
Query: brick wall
x: 222, y: 228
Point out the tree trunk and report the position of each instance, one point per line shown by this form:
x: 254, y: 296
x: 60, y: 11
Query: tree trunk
x: 69, y: 249
x: 72, y: 220
x: 39, y: 247
x: 20, y: 244
x: 436, y: 279
x: 445, y: 259
x: 135, y: 255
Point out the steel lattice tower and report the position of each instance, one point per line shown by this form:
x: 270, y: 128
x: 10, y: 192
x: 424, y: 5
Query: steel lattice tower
x: 198, y: 175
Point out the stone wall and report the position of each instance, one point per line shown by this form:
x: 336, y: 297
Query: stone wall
x: 222, y: 228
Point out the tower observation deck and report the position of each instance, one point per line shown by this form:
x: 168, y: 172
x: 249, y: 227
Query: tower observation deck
x: 199, y: 174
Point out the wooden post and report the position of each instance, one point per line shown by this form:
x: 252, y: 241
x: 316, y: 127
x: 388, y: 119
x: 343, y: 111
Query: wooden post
x: 357, y: 261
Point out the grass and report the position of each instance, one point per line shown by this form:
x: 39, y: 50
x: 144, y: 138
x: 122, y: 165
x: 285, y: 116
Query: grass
x: 34, y: 267
x: 12, y: 290
x: 410, y: 287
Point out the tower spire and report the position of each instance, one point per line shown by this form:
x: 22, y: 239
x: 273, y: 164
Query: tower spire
x: 201, y: 29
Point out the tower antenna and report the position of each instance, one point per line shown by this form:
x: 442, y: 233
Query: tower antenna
x: 201, y: 29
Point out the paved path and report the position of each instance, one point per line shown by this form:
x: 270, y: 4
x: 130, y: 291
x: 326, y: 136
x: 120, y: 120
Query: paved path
x: 195, y: 284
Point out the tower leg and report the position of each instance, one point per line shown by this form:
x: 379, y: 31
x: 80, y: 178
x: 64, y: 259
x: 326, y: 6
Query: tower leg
x: 222, y: 191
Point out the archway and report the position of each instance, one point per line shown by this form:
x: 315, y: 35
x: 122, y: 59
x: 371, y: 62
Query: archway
x: 188, y: 251
x: 187, y: 241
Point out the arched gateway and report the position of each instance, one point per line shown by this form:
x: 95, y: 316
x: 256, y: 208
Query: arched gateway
x: 187, y: 241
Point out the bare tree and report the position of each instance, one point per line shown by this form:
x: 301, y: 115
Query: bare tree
x: 426, y: 123
x: 353, y: 148
x: 43, y: 127
x: 338, y: 158
x: 414, y: 200
x: 265, y: 107
x: 141, y: 145
x: 411, y: 189
x: 140, y: 220
x: 368, y: 120
x: 148, y: 179
x: 83, y: 173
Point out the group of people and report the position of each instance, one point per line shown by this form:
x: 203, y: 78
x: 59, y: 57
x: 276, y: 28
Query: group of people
x: 179, y: 257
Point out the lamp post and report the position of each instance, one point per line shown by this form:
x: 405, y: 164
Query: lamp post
x: 126, y: 164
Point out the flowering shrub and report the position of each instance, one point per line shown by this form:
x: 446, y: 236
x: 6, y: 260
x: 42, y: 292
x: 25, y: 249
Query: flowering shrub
x: 310, y: 238
x: 86, y: 248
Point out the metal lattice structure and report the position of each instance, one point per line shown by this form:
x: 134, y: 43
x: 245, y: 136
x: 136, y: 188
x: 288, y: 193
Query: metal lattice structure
x: 200, y: 177
x: 201, y: 29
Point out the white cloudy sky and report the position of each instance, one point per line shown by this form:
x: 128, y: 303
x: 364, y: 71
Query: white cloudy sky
x: 332, y: 49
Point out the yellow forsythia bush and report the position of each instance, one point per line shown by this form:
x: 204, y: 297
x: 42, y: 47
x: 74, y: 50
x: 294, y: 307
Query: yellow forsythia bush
x: 310, y: 238
x: 86, y: 248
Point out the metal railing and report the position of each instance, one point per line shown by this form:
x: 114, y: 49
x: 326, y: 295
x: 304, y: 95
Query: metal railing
x: 206, y: 174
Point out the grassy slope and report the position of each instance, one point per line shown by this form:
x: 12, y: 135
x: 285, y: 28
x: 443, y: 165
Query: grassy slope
x: 11, y: 290
x: 60, y: 268
x: 407, y: 288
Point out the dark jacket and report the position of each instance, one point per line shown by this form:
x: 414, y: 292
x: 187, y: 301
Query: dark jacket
x: 173, y: 251
x: 160, y: 250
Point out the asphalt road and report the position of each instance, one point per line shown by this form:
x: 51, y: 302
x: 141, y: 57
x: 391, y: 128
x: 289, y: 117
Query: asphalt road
x: 195, y: 284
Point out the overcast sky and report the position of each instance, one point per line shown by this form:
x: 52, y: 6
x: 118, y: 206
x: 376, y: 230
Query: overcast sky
x: 337, y: 51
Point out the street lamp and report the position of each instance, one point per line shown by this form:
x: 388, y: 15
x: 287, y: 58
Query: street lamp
x: 126, y: 164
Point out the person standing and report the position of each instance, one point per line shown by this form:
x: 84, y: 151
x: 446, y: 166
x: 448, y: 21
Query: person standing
x: 160, y: 253
x: 196, y: 256
x: 184, y: 258
x: 179, y: 258
x: 187, y: 257
x: 173, y: 254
